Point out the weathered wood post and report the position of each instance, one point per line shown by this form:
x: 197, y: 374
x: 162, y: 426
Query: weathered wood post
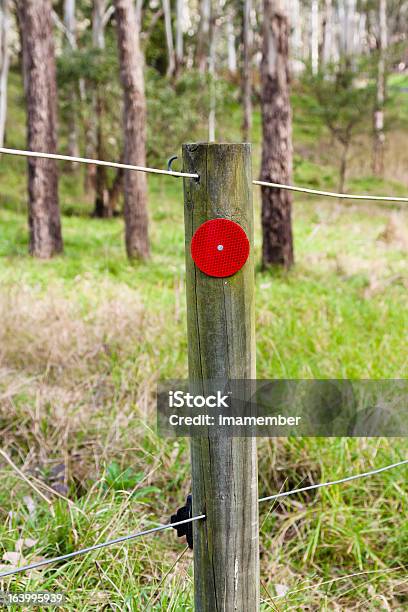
x: 221, y: 339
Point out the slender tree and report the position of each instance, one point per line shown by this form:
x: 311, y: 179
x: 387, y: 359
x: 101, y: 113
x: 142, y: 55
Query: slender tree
x: 213, y: 84
x: 246, y: 72
x: 179, y: 34
x: 231, y: 50
x: 41, y: 94
x: 171, y: 58
x: 296, y: 36
x: 131, y: 72
x: 327, y: 33
x: 277, y: 138
x: 98, y: 173
x: 379, y: 137
x: 4, y: 63
x: 204, y: 35
x: 314, y: 36
x: 347, y: 18
x: 70, y: 28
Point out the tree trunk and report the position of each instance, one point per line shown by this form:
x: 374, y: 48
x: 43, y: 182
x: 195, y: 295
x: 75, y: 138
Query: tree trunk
x: 131, y: 73
x: 115, y: 191
x: 347, y: 12
x: 99, y: 179
x: 179, y: 34
x: 379, y: 136
x: 41, y: 93
x: 204, y: 35
x: 91, y: 140
x: 277, y: 245
x: 246, y: 72
x: 327, y: 33
x: 102, y: 210
x: 98, y: 28
x: 70, y: 25
x: 296, y: 43
x: 5, y: 62
x: 171, y: 61
x: 343, y: 29
x: 343, y: 167
x: 232, y: 53
x: 139, y: 14
x: 351, y: 27
x: 213, y: 86
x: 314, y: 38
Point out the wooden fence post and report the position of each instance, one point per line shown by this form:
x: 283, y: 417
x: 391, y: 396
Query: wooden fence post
x: 221, y: 344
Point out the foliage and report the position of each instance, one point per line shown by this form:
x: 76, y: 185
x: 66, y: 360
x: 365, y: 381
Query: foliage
x: 119, y: 479
x: 342, y: 96
x: 95, y: 68
x: 177, y: 112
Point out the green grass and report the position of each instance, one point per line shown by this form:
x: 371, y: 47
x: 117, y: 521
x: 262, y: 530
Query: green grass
x: 84, y: 339
x: 86, y: 336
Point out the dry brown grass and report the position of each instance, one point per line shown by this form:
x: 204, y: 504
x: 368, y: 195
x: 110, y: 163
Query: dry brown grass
x: 76, y: 383
x: 50, y: 333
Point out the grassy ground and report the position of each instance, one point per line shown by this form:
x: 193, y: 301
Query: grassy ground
x: 84, y: 339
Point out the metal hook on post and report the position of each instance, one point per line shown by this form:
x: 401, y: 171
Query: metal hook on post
x: 170, y: 169
x: 170, y: 161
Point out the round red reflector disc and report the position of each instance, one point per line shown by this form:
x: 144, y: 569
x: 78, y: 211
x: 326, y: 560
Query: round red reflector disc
x: 220, y: 247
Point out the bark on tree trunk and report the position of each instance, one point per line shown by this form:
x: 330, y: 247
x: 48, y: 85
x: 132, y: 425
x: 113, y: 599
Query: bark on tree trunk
x: 213, y: 86
x: 131, y: 72
x: 171, y: 61
x: 115, y: 191
x: 5, y: 62
x: 98, y: 41
x: 39, y: 59
x: 246, y: 73
x: 179, y: 34
x: 70, y: 25
x: 204, y: 35
x: 277, y: 139
x: 379, y: 136
x: 296, y: 37
x: 232, y: 53
x: 139, y: 14
x: 101, y: 209
x: 347, y: 12
x: 314, y: 38
x: 327, y: 33
x: 343, y: 166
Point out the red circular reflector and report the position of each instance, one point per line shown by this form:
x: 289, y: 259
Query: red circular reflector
x: 220, y: 247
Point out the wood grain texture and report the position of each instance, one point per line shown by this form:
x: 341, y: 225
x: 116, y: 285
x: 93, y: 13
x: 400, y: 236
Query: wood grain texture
x: 221, y: 339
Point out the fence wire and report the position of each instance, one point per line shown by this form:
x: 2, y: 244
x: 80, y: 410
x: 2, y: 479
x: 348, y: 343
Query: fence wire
x: 199, y: 517
x: 333, y: 482
x: 96, y: 162
x: 99, y: 162
x: 89, y: 549
x: 331, y: 194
